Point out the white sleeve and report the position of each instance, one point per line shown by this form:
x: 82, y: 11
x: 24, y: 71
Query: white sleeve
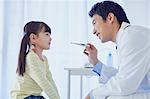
x: 106, y: 73
x: 133, y: 67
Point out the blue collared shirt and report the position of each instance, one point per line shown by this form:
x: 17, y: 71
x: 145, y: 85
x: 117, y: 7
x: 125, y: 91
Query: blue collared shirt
x: 97, y: 68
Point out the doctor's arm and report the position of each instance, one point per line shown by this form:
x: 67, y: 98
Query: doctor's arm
x: 104, y: 72
x: 132, y: 69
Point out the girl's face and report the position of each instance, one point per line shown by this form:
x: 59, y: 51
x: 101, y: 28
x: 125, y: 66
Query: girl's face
x: 43, y: 40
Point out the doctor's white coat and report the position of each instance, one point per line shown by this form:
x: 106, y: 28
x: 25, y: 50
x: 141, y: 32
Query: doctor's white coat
x: 132, y: 79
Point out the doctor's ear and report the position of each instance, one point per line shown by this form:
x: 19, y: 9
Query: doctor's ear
x: 32, y: 38
x: 110, y: 18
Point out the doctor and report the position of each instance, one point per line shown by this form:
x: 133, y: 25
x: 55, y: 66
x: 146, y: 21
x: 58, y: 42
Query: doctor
x: 132, y: 79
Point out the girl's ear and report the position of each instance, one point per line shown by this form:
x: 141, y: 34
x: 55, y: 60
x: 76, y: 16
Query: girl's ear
x: 110, y: 18
x: 32, y: 38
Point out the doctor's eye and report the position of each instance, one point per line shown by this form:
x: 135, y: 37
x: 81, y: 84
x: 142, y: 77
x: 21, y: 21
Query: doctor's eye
x: 94, y: 22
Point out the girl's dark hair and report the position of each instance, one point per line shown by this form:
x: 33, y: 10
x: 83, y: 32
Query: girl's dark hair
x: 106, y: 7
x: 31, y: 27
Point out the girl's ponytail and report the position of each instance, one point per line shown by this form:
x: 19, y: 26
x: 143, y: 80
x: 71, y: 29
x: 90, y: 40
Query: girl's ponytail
x: 24, y: 49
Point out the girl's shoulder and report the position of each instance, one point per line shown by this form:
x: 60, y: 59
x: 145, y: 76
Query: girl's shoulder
x: 32, y: 57
x: 31, y: 54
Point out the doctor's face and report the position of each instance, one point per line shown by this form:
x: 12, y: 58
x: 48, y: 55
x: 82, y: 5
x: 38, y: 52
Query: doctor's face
x: 101, y: 28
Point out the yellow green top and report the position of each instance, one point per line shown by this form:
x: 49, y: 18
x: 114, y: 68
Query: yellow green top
x: 37, y: 78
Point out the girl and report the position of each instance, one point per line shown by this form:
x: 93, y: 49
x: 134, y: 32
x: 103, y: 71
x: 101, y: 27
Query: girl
x: 33, y: 75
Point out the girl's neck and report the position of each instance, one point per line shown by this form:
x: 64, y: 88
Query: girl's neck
x: 39, y: 53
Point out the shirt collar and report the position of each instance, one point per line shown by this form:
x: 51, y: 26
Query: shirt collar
x: 124, y: 25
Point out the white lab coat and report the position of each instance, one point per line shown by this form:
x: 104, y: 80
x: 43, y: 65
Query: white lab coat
x: 132, y: 79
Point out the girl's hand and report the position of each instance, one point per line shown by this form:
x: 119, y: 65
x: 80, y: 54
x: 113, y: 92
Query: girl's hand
x: 91, y: 52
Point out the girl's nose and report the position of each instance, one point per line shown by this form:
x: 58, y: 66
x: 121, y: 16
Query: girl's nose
x: 50, y: 39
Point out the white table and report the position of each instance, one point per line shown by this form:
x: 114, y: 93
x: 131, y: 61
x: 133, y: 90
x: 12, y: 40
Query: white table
x: 80, y: 72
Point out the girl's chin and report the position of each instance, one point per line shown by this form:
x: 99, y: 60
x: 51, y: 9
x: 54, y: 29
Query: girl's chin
x: 47, y: 48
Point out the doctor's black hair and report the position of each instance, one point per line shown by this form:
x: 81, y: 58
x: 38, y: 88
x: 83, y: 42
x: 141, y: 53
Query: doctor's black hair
x: 105, y: 7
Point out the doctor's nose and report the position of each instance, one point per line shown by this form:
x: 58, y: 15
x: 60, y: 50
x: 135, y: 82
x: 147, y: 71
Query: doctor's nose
x: 94, y: 31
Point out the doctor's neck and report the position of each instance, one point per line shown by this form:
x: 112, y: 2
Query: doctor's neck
x: 116, y: 26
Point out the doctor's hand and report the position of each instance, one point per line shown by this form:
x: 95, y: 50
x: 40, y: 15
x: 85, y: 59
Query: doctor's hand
x: 91, y: 52
x: 87, y: 97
